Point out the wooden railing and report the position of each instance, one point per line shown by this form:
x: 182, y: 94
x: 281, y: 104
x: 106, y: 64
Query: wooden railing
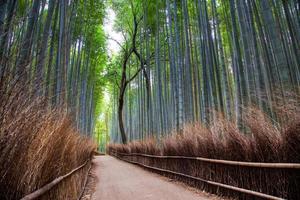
x: 38, y: 193
x: 225, y: 162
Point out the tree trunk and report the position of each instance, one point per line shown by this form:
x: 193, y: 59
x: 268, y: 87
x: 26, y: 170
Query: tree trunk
x: 120, y: 115
x: 44, y: 44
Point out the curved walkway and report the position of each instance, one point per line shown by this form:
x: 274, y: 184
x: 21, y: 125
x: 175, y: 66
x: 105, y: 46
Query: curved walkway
x: 118, y: 180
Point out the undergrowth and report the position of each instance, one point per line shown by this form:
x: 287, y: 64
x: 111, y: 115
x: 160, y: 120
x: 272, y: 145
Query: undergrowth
x: 37, y: 145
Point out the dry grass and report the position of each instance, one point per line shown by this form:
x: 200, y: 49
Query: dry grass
x: 262, y: 140
x: 36, y: 146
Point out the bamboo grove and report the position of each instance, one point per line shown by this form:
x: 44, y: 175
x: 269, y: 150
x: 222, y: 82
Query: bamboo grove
x: 53, y: 49
x: 185, y: 59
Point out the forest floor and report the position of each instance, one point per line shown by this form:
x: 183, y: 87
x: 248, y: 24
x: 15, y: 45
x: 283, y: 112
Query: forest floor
x: 120, y: 180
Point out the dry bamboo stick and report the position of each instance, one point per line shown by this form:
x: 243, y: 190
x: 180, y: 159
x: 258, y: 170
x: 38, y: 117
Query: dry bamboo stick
x: 85, y: 182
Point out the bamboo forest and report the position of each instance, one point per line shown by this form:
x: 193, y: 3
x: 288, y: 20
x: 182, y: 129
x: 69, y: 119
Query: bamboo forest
x: 149, y: 99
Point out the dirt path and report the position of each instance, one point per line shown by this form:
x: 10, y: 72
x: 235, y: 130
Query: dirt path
x: 118, y: 180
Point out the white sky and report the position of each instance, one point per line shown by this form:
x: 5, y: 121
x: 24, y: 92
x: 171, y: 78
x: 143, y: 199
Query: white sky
x: 109, y: 20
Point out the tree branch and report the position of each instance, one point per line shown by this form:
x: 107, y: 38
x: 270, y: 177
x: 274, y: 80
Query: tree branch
x: 133, y: 77
x: 116, y: 41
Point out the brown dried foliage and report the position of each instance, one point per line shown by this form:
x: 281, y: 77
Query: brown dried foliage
x: 38, y: 145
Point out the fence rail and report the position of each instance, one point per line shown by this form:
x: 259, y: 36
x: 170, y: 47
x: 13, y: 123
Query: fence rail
x: 225, y: 162
x: 38, y: 193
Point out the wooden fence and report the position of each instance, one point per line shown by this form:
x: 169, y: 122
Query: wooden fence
x: 242, y: 180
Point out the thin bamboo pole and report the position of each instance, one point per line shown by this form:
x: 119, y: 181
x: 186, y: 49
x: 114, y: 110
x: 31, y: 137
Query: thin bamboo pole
x: 226, y: 162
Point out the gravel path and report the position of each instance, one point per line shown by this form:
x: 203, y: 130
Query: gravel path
x: 118, y: 180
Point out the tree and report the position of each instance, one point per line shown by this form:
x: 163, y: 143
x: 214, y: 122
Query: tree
x: 208, y: 56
